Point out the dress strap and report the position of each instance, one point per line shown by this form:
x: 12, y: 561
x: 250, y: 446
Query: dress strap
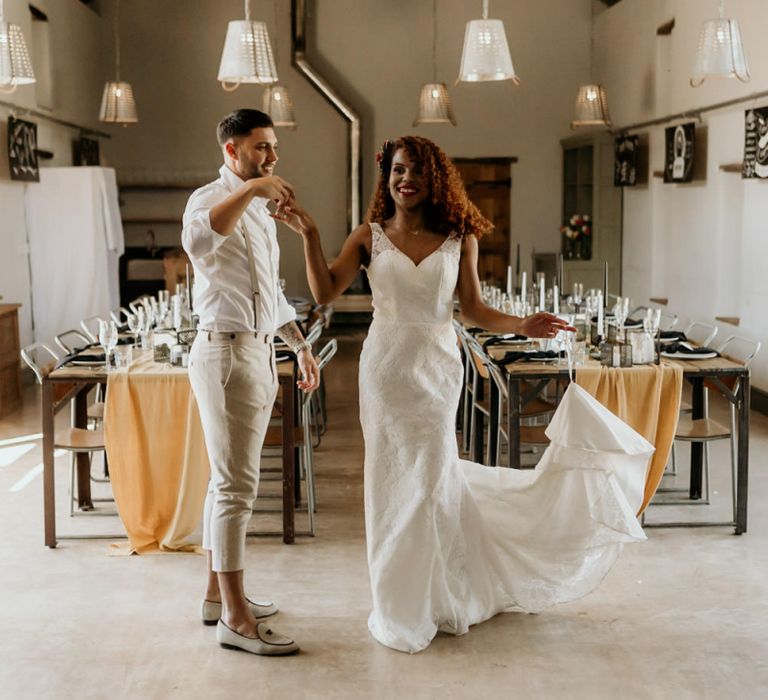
x: 379, y: 240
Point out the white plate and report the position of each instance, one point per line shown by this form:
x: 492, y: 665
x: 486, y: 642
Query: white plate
x: 689, y: 355
x: 86, y: 363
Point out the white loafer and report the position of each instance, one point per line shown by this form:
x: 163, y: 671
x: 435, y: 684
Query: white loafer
x: 267, y: 642
x: 211, y: 611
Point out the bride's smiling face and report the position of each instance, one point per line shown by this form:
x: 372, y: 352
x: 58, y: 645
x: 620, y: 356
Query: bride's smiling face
x: 407, y: 184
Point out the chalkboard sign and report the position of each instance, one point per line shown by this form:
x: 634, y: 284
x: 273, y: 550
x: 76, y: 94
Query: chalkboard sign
x: 755, y: 143
x: 625, y: 161
x: 22, y: 150
x: 678, y: 164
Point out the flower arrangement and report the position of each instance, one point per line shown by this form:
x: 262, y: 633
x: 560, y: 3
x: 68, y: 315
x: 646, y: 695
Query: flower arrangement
x: 578, y: 227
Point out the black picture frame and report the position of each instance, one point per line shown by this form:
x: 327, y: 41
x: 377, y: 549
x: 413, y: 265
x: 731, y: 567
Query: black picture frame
x: 678, y: 162
x: 625, y: 162
x: 755, y: 164
x: 22, y: 150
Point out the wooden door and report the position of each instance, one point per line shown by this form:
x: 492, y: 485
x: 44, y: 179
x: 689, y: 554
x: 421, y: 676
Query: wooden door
x: 489, y: 186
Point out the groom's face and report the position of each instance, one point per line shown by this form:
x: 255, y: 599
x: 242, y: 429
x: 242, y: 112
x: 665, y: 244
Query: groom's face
x: 254, y: 155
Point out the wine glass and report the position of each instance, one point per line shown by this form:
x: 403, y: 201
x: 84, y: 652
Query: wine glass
x: 133, y: 326
x: 107, y: 339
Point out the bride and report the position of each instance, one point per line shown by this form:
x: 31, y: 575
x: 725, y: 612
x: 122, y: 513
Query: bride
x: 450, y: 543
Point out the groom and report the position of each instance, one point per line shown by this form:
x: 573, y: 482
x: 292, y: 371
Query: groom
x: 231, y: 240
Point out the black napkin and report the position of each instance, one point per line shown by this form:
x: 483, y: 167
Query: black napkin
x: 673, y: 348
x: 284, y: 355
x: 500, y: 339
x: 531, y: 356
x: 90, y: 357
x: 672, y: 335
x: 126, y: 340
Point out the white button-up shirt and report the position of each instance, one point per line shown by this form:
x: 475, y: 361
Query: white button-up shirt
x: 222, y: 295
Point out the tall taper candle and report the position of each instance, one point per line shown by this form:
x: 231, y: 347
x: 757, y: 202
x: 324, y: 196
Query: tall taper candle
x: 523, y: 294
x: 542, y: 294
x: 560, y: 271
x: 600, y: 320
x: 555, y: 299
x: 605, y: 282
x: 509, y: 280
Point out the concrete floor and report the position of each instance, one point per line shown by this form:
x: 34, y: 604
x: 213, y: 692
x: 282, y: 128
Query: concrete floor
x: 683, y: 615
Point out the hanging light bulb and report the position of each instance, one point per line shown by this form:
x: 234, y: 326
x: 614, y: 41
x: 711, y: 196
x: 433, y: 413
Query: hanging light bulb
x: 591, y: 107
x: 278, y: 105
x: 435, y: 102
x: 247, y: 55
x: 117, y: 103
x: 591, y: 101
x: 15, y: 66
x: 486, y: 53
x: 720, y: 53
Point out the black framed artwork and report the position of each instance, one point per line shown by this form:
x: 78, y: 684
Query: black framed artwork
x: 678, y: 163
x: 22, y: 150
x: 755, y: 163
x: 85, y: 151
x: 625, y: 161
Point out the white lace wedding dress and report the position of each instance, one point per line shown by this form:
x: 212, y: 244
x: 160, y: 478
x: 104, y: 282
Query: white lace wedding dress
x: 452, y: 543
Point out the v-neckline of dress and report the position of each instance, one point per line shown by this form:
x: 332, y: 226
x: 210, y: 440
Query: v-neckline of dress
x: 415, y: 264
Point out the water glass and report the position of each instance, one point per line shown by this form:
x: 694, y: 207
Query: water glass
x: 123, y: 356
x: 107, y: 339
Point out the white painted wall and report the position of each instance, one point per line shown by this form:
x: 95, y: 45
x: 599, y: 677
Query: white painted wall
x: 704, y: 245
x: 78, y: 75
x: 377, y: 54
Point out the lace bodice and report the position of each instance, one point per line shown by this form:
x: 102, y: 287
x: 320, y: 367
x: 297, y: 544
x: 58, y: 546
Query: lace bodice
x: 404, y: 292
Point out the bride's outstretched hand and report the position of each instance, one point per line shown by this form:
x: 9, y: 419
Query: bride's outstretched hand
x: 294, y: 216
x: 543, y: 325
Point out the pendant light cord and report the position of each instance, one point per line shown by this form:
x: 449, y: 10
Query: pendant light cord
x: 117, y: 41
x: 434, y: 41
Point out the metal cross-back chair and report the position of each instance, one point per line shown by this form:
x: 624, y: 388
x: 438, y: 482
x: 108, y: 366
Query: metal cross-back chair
x: 90, y: 327
x: 470, y: 384
x: 700, y: 333
x: 496, y: 407
x: 705, y: 430
x: 303, y: 436
x: 120, y: 316
x: 69, y: 341
x: 73, y: 440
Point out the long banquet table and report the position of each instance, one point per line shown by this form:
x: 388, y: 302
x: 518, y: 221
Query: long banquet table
x: 719, y: 371
x: 179, y: 444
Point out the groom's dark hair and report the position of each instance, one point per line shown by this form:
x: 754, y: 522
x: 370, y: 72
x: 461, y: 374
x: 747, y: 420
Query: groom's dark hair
x: 240, y: 123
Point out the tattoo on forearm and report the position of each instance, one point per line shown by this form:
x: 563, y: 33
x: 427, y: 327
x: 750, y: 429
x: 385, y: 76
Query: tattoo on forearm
x: 291, y: 335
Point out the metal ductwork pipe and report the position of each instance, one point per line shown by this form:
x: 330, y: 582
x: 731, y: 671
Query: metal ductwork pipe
x: 300, y: 62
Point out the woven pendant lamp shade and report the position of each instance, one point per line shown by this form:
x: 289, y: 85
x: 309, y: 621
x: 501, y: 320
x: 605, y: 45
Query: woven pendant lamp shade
x: 247, y: 55
x: 278, y: 105
x: 591, y: 107
x: 435, y: 105
x: 15, y: 66
x: 117, y: 103
x: 486, y: 53
x: 721, y: 52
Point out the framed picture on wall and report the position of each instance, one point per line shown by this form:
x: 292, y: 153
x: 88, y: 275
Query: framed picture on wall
x: 85, y: 151
x: 678, y: 163
x: 22, y: 150
x: 625, y: 161
x: 755, y: 163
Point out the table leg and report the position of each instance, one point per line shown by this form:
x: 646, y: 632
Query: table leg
x: 84, y: 501
x: 493, y: 430
x: 49, y: 492
x: 697, y: 448
x: 742, y: 457
x: 289, y: 458
x: 477, y: 448
x: 513, y: 421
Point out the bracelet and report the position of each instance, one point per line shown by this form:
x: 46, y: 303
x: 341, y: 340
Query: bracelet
x: 303, y: 345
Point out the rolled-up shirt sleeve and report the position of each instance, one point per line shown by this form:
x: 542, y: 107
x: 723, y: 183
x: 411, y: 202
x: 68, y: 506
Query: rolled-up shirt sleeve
x: 197, y: 236
x: 285, y: 312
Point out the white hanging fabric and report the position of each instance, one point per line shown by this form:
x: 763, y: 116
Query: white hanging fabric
x: 75, y: 240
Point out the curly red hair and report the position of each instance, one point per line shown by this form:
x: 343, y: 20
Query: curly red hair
x: 448, y: 209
